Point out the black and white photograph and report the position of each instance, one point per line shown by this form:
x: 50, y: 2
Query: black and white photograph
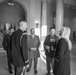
x: 37, y: 37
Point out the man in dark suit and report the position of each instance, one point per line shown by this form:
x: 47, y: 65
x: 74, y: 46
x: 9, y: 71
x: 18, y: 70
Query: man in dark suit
x: 6, y: 46
x: 50, y: 48
x: 19, y: 58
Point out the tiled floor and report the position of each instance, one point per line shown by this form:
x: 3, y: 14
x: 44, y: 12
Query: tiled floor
x: 41, y: 64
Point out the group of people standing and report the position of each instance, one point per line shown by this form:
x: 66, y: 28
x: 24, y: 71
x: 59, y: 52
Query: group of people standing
x: 22, y: 48
x: 57, y: 51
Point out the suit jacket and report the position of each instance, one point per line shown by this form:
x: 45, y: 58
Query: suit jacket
x: 17, y: 50
x: 32, y: 43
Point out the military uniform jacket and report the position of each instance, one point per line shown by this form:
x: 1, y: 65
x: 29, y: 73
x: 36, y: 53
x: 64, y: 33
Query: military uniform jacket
x: 17, y: 50
x: 50, y: 41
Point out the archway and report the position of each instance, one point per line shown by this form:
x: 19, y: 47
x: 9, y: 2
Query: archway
x: 11, y: 14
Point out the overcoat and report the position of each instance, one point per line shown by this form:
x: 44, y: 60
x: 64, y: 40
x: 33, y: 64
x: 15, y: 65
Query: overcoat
x: 32, y: 43
x: 62, y: 58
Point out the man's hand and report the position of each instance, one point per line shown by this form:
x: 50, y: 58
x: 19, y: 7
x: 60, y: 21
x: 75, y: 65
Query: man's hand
x: 35, y: 49
x: 47, y: 47
x: 32, y: 48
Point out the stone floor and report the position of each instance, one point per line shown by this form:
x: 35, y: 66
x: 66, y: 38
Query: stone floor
x: 73, y: 60
x: 41, y: 64
x: 4, y: 70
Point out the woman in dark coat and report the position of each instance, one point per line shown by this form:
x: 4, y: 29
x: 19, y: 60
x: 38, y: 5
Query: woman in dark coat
x: 62, y: 56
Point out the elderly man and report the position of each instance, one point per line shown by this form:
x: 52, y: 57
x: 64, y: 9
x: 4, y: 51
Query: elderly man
x: 33, y: 46
x: 19, y: 51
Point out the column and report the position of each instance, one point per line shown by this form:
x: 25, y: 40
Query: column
x: 43, y: 21
x: 43, y: 27
x: 59, y: 15
x: 44, y: 12
x: 44, y: 18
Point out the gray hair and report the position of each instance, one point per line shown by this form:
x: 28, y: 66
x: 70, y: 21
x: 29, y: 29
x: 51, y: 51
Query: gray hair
x: 66, y: 35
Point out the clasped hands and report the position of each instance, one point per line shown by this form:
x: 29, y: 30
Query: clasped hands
x: 47, y: 47
x: 34, y: 49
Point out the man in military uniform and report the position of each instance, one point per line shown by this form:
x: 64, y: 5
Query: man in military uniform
x: 19, y: 48
x: 50, y: 48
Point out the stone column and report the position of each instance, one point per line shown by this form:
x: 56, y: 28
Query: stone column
x: 43, y: 27
x: 44, y: 12
x: 43, y: 21
x: 59, y: 15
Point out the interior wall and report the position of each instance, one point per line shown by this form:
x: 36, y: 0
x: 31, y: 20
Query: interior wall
x: 70, y: 21
x: 26, y: 5
x: 6, y: 17
x: 35, y: 12
x: 50, y: 15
